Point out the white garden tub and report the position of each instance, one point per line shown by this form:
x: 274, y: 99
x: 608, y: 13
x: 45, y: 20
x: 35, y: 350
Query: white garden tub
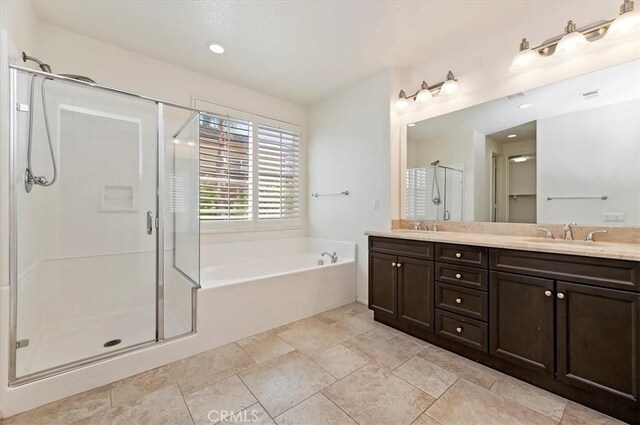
x: 250, y: 287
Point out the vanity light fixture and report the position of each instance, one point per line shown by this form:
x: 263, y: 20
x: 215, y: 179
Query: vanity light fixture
x: 525, y: 106
x: 520, y: 159
x: 511, y: 136
x: 574, y: 39
x: 426, y: 92
x: 411, y: 125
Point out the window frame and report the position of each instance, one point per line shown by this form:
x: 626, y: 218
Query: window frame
x: 255, y: 224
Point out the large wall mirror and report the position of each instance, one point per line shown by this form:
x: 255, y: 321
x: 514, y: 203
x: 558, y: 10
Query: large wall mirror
x: 565, y: 152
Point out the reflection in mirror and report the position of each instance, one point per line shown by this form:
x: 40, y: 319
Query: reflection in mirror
x: 567, y: 152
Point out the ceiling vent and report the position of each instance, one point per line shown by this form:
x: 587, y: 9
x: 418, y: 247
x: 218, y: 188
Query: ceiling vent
x: 590, y: 94
x: 515, y: 96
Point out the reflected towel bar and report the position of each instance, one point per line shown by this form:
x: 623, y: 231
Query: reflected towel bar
x: 603, y: 197
x: 344, y: 192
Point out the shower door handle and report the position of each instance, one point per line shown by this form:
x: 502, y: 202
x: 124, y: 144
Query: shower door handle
x: 149, y: 222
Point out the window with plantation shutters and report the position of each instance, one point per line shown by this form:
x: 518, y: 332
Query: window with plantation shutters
x: 278, y: 175
x: 226, y: 174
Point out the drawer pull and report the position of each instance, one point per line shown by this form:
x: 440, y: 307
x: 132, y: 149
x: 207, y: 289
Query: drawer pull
x: 560, y: 295
x: 459, y: 329
x: 458, y: 276
x: 458, y: 300
x: 547, y: 293
x: 458, y: 255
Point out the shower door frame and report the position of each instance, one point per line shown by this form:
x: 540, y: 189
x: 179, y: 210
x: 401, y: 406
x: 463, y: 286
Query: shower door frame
x: 158, y: 224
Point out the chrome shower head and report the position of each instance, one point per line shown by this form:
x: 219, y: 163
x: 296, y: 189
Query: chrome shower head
x: 435, y: 163
x: 43, y: 66
x: 46, y: 68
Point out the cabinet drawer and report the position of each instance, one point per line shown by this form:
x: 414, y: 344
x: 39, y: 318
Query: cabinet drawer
x: 416, y: 249
x: 596, y: 271
x: 461, y: 329
x: 462, y: 276
x: 468, y: 302
x: 462, y: 254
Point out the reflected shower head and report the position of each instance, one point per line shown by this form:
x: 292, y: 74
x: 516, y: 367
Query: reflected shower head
x: 434, y: 163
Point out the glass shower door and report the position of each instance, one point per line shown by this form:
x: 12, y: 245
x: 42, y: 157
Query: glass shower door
x: 86, y: 258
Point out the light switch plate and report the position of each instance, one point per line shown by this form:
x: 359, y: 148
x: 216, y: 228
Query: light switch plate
x: 614, y: 218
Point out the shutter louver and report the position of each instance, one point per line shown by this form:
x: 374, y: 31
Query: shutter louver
x: 225, y: 169
x: 278, y: 174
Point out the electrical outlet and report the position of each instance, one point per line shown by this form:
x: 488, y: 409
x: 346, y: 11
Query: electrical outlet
x: 614, y: 218
x: 376, y: 204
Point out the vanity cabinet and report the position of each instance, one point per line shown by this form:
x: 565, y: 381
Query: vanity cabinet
x: 566, y: 323
x: 401, y: 286
x: 598, y: 339
x: 522, y: 322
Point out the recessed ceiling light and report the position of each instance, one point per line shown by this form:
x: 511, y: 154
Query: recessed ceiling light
x: 411, y: 125
x: 216, y: 47
x: 511, y: 136
x: 525, y: 106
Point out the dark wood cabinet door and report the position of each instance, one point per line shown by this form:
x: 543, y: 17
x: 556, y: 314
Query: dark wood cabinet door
x: 383, y: 284
x: 598, y: 341
x: 415, y: 292
x: 521, y: 320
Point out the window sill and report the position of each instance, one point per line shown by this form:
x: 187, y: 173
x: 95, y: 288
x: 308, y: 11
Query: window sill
x: 250, y: 230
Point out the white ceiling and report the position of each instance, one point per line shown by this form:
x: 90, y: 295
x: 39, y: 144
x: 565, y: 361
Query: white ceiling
x: 296, y: 50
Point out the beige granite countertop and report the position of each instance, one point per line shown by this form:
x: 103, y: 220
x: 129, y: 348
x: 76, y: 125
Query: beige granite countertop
x: 620, y: 251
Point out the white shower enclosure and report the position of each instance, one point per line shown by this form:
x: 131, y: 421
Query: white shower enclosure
x: 105, y: 259
x: 434, y: 193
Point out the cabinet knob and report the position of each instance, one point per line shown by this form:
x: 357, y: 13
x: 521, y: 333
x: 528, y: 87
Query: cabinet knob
x: 459, y: 329
x: 458, y: 276
x: 399, y: 265
x: 458, y: 255
x: 393, y: 264
x: 547, y: 293
x: 560, y: 295
x: 458, y: 300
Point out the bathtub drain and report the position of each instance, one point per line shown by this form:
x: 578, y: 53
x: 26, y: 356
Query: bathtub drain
x: 112, y: 343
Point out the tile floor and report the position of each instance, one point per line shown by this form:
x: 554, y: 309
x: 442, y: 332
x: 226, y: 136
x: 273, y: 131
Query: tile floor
x: 339, y: 367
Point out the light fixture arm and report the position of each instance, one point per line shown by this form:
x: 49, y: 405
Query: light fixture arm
x: 592, y: 32
x: 435, y: 89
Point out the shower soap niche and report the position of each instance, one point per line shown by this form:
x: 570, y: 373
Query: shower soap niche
x: 118, y: 199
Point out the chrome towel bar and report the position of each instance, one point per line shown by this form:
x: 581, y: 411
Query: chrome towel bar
x: 603, y: 197
x: 317, y: 194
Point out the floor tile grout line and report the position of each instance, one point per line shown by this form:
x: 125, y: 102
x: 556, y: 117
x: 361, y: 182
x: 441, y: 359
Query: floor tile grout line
x: 255, y: 396
x: 321, y: 390
x: 340, y: 408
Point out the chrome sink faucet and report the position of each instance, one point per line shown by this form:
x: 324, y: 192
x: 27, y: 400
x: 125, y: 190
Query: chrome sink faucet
x: 568, y: 231
x: 333, y: 256
x: 591, y: 236
x: 421, y: 225
x: 548, y: 234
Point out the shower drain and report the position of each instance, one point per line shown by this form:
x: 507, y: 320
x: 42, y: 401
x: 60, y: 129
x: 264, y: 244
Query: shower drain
x: 112, y: 343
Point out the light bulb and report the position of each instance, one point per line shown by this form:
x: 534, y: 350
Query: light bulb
x: 449, y: 87
x: 572, y: 42
x: 525, y: 57
x: 626, y: 24
x: 424, y: 96
x: 402, y: 103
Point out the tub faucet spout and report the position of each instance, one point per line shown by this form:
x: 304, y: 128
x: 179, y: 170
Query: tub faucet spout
x: 333, y: 256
